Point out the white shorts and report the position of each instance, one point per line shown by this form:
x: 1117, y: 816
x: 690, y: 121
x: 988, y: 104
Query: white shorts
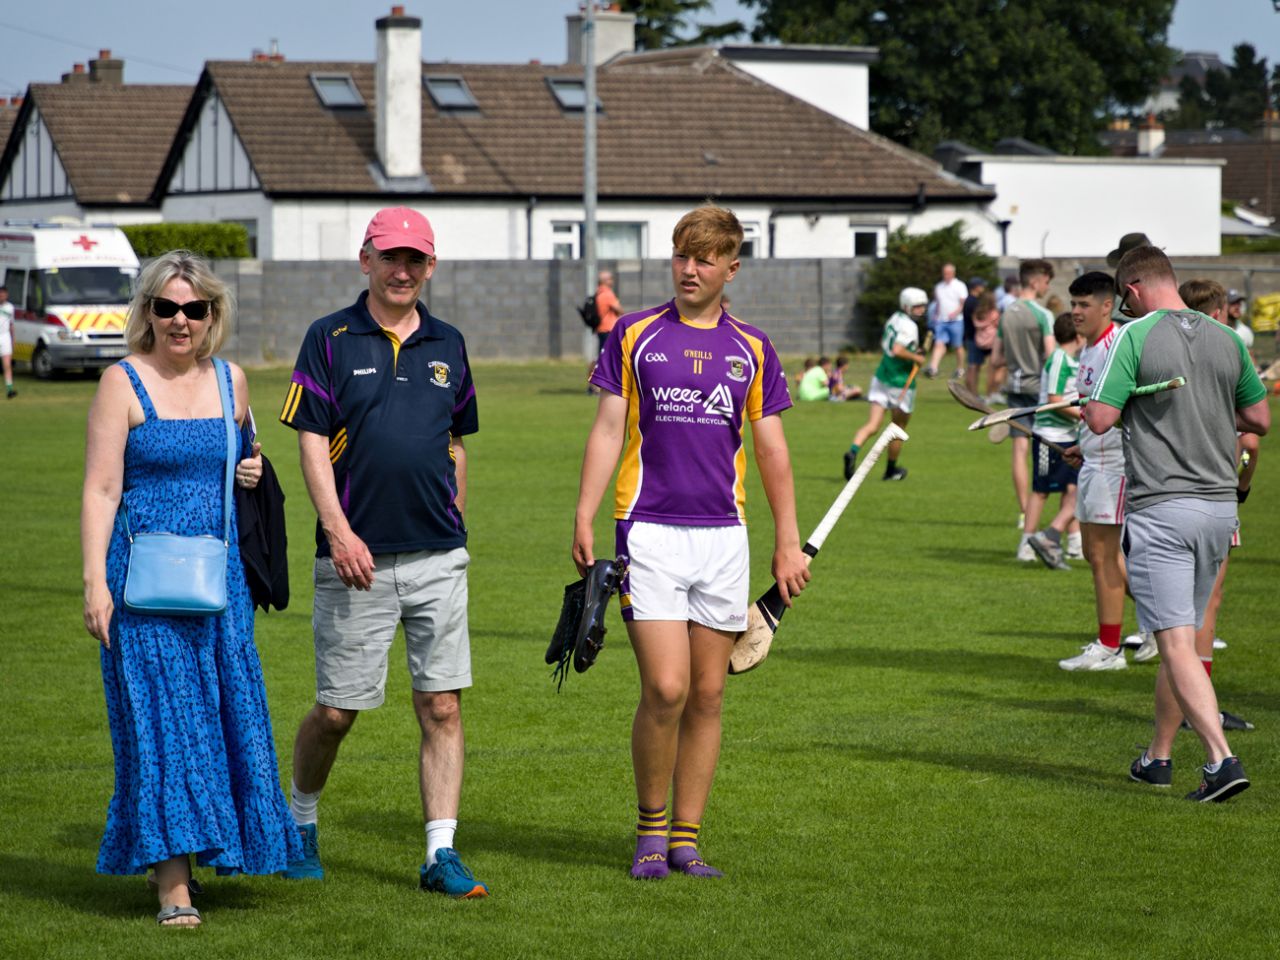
x: 887, y: 396
x: 1100, y: 497
x: 6, y: 344
x: 685, y: 573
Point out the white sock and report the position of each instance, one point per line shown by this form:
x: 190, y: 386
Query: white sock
x: 1213, y: 767
x: 439, y: 835
x: 303, y: 805
x: 1073, y: 542
x: 1023, y: 541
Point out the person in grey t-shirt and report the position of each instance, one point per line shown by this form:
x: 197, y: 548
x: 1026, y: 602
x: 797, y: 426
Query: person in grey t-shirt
x: 1181, y: 493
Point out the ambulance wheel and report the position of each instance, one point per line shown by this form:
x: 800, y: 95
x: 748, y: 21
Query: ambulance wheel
x: 42, y: 364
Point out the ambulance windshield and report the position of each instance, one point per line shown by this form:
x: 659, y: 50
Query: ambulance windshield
x: 71, y: 286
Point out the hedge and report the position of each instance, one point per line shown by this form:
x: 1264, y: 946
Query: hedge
x: 213, y: 240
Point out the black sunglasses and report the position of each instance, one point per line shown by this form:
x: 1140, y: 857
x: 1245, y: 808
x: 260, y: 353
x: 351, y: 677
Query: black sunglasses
x: 165, y: 308
x: 1123, y: 292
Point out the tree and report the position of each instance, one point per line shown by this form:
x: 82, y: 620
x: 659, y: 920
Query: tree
x: 666, y: 23
x: 1235, y: 97
x: 982, y: 70
x: 915, y: 260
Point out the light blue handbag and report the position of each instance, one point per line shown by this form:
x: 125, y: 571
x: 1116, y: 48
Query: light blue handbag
x: 176, y: 576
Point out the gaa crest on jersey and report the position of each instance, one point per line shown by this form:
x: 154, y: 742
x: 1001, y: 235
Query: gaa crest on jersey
x: 737, y: 369
x: 440, y: 373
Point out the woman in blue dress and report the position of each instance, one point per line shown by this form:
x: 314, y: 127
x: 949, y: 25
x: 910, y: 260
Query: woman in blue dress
x: 195, y: 764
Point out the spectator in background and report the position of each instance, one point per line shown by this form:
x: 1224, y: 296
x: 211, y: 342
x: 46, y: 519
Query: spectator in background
x: 840, y: 390
x: 809, y: 364
x: 6, y: 341
x: 986, y: 319
x: 977, y: 287
x: 1011, y: 291
x: 816, y: 382
x: 949, y: 294
x: 1235, y: 320
x: 1023, y: 343
x: 609, y: 309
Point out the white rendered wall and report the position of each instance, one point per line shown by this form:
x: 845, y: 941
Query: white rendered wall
x: 1069, y: 207
x: 840, y: 89
x: 36, y: 172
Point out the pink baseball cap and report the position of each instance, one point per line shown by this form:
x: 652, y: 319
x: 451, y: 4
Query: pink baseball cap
x: 394, y: 227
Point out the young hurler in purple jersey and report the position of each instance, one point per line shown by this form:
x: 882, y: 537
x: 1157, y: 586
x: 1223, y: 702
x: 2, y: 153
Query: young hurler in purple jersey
x: 678, y: 383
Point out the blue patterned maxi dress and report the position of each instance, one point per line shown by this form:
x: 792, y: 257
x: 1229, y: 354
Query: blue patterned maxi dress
x: 195, y: 763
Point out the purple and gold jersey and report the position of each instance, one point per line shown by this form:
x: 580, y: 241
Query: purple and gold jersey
x: 690, y: 390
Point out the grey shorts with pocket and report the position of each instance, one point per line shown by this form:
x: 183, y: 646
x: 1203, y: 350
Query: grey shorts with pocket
x: 426, y: 591
x: 1174, y: 549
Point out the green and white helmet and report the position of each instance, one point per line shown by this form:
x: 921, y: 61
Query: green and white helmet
x: 912, y: 297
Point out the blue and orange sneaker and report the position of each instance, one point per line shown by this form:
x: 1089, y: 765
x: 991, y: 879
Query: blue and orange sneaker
x: 308, y: 868
x: 448, y: 875
x: 1158, y: 773
x: 1226, y: 783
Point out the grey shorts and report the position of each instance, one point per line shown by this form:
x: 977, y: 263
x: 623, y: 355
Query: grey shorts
x: 427, y: 592
x: 1174, y: 549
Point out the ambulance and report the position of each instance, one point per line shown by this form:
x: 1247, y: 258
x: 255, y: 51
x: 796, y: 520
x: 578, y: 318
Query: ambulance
x: 70, y: 286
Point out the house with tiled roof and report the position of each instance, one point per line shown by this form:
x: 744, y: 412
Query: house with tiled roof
x: 90, y: 147
x: 1251, y: 176
x: 304, y: 152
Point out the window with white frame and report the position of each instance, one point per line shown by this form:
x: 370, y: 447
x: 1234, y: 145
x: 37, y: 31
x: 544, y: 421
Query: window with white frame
x: 564, y: 240
x: 750, y: 240
x: 620, y: 241
x: 870, y: 239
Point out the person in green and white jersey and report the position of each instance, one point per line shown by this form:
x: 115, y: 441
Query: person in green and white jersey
x: 1051, y: 472
x: 893, y: 384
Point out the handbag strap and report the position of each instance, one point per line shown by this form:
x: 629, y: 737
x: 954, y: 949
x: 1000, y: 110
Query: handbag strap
x: 229, y: 418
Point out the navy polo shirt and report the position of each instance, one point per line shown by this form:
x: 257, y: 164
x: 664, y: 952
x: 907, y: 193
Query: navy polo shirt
x: 388, y: 409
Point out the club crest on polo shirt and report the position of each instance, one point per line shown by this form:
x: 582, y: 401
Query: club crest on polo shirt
x: 737, y: 369
x: 440, y: 373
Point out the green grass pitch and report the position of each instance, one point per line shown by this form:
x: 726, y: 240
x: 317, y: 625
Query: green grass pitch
x: 908, y: 775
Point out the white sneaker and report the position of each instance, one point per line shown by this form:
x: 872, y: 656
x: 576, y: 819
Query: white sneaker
x: 1025, y: 553
x: 1095, y: 656
x: 1132, y: 641
x: 1147, y: 650
x: 1075, y: 553
x: 1219, y: 643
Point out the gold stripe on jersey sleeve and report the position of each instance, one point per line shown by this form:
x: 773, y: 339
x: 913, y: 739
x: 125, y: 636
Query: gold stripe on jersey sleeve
x: 755, y: 392
x: 290, y: 403
x: 630, y: 472
x: 336, y: 452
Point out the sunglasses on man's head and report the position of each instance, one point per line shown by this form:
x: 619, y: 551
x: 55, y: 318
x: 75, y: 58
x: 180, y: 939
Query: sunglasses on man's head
x: 165, y: 308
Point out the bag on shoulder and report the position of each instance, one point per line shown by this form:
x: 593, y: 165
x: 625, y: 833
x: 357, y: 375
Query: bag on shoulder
x: 177, y: 576
x: 590, y: 313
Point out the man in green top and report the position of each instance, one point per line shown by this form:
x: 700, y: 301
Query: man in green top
x: 1180, y: 501
x: 893, y: 384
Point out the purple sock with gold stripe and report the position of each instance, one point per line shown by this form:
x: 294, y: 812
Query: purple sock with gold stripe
x: 684, y: 850
x: 650, y: 862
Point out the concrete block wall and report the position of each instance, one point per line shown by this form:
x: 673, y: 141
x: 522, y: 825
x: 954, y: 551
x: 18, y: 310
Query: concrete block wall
x: 527, y: 309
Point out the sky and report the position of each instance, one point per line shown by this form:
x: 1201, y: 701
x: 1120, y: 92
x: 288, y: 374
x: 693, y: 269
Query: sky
x: 166, y: 42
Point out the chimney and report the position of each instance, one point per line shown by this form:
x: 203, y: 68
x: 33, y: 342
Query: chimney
x: 1270, y: 131
x: 77, y: 74
x: 106, y: 70
x: 399, y: 90
x: 615, y: 33
x: 1150, y: 137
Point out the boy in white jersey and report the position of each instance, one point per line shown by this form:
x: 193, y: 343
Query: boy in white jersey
x: 679, y: 382
x: 1100, y: 489
x: 892, y: 385
x: 1051, y: 472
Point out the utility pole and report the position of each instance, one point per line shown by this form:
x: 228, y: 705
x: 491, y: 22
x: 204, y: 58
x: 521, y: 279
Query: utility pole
x: 589, y: 163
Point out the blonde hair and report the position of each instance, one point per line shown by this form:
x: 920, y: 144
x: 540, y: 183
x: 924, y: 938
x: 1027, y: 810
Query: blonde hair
x: 708, y: 230
x: 1207, y: 296
x: 155, y: 276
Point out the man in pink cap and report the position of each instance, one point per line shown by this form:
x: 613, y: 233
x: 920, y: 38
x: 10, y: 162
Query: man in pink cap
x: 381, y: 397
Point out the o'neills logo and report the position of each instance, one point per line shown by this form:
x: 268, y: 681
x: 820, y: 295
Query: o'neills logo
x: 439, y: 373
